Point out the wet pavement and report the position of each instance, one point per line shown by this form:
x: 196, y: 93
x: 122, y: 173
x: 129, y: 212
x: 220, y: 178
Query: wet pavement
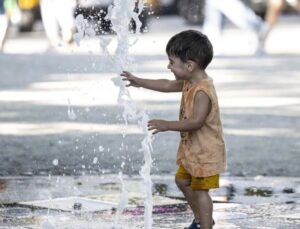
x: 50, y: 202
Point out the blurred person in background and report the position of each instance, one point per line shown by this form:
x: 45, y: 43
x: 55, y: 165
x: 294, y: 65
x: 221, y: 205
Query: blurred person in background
x: 3, y: 24
x: 58, y: 20
x: 274, y: 10
x: 238, y: 13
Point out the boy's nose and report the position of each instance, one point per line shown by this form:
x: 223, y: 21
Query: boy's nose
x: 168, y: 66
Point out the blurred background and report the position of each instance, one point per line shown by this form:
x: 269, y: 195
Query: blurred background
x: 57, y: 18
x: 26, y: 14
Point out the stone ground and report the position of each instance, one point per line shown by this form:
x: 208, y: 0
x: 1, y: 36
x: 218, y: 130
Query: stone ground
x: 241, y: 202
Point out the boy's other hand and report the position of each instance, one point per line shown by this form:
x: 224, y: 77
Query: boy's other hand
x: 127, y: 76
x: 158, y: 125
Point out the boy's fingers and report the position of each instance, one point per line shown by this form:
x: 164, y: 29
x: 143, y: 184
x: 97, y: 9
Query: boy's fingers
x: 155, y: 130
x: 152, y: 124
x: 124, y: 73
x: 152, y: 121
x: 151, y: 128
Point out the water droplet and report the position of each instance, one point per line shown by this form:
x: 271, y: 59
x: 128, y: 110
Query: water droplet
x: 123, y: 164
x: 71, y: 114
x: 55, y: 162
x: 95, y: 160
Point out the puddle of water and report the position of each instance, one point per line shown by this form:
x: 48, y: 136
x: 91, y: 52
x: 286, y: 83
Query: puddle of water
x: 254, y: 191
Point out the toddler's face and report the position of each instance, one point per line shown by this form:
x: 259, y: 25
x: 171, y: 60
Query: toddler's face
x: 177, y: 67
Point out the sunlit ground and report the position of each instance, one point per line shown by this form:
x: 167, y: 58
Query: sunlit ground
x: 59, y: 94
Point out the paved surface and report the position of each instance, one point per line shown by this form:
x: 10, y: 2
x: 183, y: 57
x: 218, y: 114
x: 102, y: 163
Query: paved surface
x: 40, y: 88
x: 241, y: 202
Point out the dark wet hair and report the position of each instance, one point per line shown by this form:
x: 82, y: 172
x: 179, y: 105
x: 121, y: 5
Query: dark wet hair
x: 191, y: 45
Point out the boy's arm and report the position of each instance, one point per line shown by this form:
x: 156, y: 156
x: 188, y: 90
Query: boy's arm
x: 162, y: 85
x: 202, y: 107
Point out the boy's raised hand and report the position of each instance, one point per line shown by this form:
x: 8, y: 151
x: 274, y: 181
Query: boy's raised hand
x: 158, y: 125
x: 127, y: 76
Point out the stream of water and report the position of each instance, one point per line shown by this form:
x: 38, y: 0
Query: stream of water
x: 121, y: 13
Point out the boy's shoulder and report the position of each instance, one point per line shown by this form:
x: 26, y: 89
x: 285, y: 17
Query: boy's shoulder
x: 207, y: 86
x: 208, y: 82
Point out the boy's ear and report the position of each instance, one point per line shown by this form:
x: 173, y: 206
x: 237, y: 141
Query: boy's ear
x: 191, y: 65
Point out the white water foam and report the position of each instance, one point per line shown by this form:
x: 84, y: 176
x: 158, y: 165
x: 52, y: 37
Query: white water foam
x: 120, y: 14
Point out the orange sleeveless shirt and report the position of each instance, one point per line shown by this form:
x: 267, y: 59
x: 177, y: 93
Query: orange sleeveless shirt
x: 202, y: 152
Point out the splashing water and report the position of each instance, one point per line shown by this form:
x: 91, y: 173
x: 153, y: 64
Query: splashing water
x: 123, y: 201
x: 47, y: 225
x: 120, y: 13
x: 145, y: 171
x: 55, y: 162
x: 71, y: 114
x: 83, y: 29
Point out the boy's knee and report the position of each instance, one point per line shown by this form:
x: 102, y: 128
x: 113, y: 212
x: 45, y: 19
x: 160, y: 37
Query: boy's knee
x: 203, y: 192
x: 202, y: 195
x: 182, y: 183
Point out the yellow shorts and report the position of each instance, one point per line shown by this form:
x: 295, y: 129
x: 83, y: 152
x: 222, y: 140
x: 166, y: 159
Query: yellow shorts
x: 198, y: 183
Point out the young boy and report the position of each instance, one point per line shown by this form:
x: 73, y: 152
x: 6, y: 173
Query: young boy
x: 201, y: 155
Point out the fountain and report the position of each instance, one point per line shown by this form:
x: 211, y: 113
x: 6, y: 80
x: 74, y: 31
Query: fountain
x: 120, y: 13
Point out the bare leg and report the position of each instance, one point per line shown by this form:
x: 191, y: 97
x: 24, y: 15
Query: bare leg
x: 3, y: 24
x: 238, y: 13
x: 204, y: 208
x: 184, y: 186
x: 274, y: 10
x: 3, y: 29
x: 298, y: 6
x: 199, y: 201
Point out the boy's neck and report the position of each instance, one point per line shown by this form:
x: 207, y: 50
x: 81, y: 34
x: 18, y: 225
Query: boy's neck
x: 198, y: 76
